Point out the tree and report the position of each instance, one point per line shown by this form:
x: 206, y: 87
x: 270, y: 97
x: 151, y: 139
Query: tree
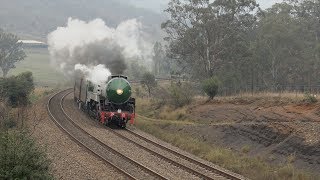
x: 276, y: 44
x: 181, y: 94
x: 210, y: 87
x: 286, y: 46
x: 10, y: 51
x: 204, y: 35
x: 158, y: 57
x: 307, y: 13
x: 149, y: 81
x: 135, y: 70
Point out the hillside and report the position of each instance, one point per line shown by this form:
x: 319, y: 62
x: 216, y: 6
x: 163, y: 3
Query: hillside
x: 36, y: 18
x: 154, y: 5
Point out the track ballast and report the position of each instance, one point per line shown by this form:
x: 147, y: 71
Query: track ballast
x: 116, y: 159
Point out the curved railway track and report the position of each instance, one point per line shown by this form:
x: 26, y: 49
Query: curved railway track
x: 190, y: 165
x: 216, y: 170
x: 202, y: 174
x: 102, y: 151
x: 224, y: 173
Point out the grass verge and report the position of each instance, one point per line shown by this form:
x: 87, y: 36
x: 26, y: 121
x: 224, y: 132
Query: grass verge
x: 254, y: 168
x: 38, y: 62
x: 39, y: 93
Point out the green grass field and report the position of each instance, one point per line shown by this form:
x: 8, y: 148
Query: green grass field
x: 38, y: 62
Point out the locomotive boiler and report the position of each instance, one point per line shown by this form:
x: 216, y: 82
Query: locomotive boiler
x: 109, y: 102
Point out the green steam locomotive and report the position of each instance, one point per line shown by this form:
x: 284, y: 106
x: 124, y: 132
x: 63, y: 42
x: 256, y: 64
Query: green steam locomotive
x: 110, y: 102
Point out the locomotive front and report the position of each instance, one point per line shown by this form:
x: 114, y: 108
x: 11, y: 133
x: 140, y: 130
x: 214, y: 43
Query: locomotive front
x: 111, y: 102
x: 118, y: 91
x: 120, y: 106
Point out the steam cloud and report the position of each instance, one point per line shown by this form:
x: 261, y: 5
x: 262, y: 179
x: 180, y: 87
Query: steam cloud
x: 96, y: 49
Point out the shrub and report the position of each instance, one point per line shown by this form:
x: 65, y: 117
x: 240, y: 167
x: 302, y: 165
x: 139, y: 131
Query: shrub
x: 210, y: 87
x: 181, y: 95
x: 9, y: 123
x: 20, y: 158
x: 245, y: 149
x: 310, y: 98
x: 15, y: 90
x: 149, y: 81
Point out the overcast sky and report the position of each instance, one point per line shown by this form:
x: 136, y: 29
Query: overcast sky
x: 159, y: 5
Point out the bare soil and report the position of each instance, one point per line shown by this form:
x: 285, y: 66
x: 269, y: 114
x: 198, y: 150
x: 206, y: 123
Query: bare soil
x: 280, y: 132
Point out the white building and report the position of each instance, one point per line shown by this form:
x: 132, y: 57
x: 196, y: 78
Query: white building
x: 33, y: 44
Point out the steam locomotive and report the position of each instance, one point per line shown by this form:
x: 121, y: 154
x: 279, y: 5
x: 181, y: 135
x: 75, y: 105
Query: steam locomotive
x: 110, y: 102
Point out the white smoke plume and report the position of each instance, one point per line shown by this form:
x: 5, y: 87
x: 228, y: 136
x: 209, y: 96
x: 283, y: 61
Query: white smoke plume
x: 96, y: 49
x: 96, y: 74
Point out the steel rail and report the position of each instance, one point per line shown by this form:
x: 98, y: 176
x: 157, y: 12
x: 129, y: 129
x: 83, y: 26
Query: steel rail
x: 194, y: 161
x: 148, y: 170
x: 201, y: 175
x: 79, y: 142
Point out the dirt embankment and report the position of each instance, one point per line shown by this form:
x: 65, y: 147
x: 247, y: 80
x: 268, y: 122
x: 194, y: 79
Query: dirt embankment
x: 278, y: 132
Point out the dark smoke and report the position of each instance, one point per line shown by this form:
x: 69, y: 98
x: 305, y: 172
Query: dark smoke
x: 102, y: 52
x: 95, y: 49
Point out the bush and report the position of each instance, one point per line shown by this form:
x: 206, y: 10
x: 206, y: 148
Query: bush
x: 310, y: 98
x: 149, y: 81
x: 210, y: 87
x: 21, y: 159
x: 181, y: 95
x: 15, y: 90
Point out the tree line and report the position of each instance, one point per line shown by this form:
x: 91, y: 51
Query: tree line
x: 241, y: 44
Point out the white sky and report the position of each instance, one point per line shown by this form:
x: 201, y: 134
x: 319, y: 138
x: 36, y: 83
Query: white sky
x: 159, y: 5
x: 267, y: 3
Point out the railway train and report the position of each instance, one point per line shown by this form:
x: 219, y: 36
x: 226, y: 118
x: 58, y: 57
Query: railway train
x: 110, y: 102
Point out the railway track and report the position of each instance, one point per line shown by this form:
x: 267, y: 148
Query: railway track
x: 204, y: 171
x: 220, y: 171
x: 177, y: 159
x: 124, y: 165
x: 201, y: 170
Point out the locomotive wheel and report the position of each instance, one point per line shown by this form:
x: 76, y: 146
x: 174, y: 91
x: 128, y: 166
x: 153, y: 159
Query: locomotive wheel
x: 98, y: 117
x: 107, y: 123
x: 123, y: 125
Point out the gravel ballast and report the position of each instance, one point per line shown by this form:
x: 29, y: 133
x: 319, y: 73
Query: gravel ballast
x: 69, y: 160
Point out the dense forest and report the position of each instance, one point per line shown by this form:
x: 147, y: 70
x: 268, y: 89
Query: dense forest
x: 246, y: 47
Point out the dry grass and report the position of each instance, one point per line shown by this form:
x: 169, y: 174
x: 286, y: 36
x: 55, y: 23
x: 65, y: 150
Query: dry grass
x: 284, y: 97
x: 151, y: 109
x: 40, y: 92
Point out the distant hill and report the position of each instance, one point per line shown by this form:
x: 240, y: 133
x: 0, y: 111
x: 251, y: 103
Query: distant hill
x: 154, y: 5
x: 36, y: 18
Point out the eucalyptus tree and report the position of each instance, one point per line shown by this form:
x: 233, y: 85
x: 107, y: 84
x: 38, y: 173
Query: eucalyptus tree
x: 158, y: 57
x: 10, y: 51
x: 308, y: 14
x: 206, y: 35
x: 277, y: 44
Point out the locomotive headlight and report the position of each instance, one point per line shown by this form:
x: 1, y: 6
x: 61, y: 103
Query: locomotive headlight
x: 119, y: 91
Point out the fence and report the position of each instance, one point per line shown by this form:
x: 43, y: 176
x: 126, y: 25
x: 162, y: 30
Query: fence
x: 227, y: 91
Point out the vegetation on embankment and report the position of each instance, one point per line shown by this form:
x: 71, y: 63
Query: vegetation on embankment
x: 163, y: 122
x: 238, y: 163
x: 20, y: 156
